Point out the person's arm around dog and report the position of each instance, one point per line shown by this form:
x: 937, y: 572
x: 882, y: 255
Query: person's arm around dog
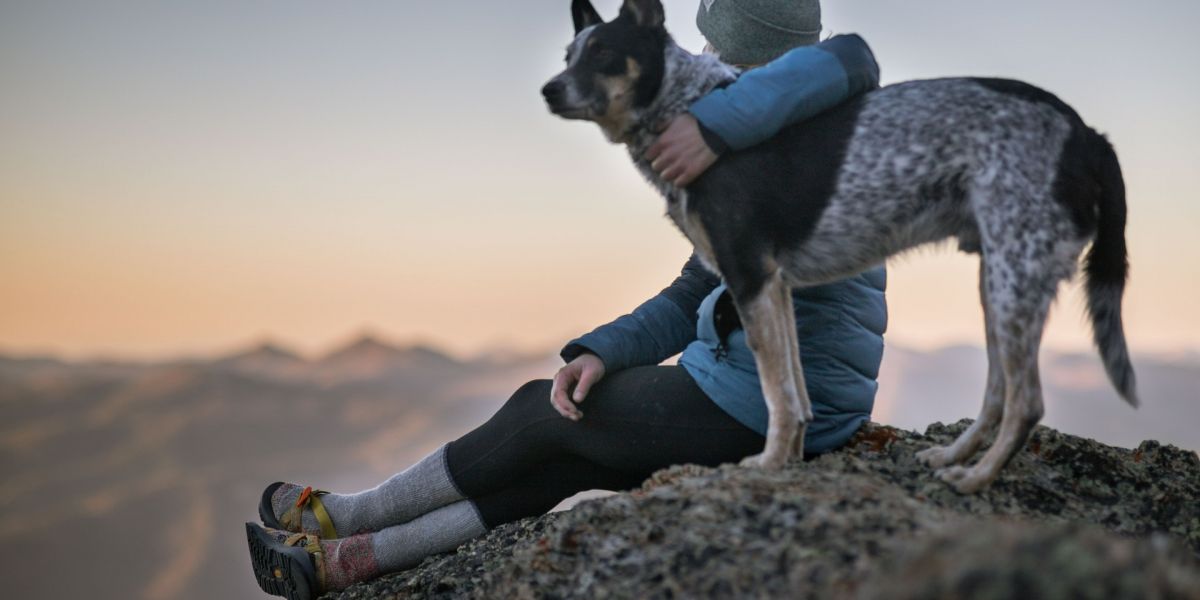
x: 798, y: 85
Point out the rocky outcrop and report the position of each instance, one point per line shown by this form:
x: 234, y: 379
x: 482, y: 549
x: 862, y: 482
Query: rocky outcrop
x: 1068, y: 518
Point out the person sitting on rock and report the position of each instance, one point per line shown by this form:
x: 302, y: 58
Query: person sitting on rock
x: 613, y: 415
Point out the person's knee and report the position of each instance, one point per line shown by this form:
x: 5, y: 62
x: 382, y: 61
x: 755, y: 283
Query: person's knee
x: 532, y: 399
x: 528, y: 424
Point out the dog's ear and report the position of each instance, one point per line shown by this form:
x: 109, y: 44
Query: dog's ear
x: 584, y: 15
x: 647, y: 13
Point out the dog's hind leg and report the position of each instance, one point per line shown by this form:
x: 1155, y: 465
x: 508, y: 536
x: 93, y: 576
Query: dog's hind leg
x: 770, y: 325
x: 993, y: 397
x: 1019, y: 291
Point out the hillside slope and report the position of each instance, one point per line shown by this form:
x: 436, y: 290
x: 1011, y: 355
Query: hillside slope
x: 1069, y: 517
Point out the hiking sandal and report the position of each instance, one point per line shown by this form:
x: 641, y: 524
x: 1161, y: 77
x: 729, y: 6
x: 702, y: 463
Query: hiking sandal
x: 287, y: 564
x: 291, y: 520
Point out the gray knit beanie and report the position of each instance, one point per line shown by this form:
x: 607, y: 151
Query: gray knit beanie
x: 752, y: 32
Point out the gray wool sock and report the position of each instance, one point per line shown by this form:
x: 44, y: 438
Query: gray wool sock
x: 405, y: 546
x: 423, y: 487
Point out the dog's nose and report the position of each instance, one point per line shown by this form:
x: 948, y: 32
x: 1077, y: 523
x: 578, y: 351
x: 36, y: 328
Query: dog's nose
x: 554, y: 91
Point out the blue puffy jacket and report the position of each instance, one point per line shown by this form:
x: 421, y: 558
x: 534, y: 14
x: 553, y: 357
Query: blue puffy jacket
x: 840, y: 325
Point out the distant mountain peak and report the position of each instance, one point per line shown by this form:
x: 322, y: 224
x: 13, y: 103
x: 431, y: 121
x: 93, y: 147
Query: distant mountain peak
x: 265, y: 349
x: 369, y: 346
x: 366, y: 344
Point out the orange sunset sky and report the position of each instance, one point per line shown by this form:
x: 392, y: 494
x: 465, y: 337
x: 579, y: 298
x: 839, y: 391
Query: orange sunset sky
x: 186, y: 177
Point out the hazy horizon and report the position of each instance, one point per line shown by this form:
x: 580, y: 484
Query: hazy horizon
x: 185, y: 178
x: 1184, y: 357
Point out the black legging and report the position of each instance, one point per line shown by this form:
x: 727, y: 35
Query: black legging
x: 527, y: 457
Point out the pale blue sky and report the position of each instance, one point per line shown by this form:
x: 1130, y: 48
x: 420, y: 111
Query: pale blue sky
x: 181, y: 176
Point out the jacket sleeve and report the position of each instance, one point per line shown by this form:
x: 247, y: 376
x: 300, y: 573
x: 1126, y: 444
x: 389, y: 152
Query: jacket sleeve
x: 798, y: 85
x: 656, y: 330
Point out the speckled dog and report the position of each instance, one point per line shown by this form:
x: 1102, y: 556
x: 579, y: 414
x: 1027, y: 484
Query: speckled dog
x: 1007, y: 169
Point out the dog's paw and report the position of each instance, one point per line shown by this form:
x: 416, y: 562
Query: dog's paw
x: 935, y: 457
x: 964, y: 480
x: 762, y: 461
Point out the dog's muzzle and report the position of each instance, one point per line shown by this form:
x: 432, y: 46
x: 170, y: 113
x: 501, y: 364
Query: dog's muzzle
x: 555, y: 93
x: 558, y: 100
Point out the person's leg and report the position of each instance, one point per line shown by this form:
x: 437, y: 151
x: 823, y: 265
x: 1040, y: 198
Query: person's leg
x: 404, y: 546
x: 527, y: 458
x: 368, y: 555
x: 426, y: 485
x: 539, y: 491
x: 296, y: 565
x: 422, y: 487
x: 635, y: 421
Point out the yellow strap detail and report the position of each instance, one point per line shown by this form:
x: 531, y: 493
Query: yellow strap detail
x: 294, y: 538
x: 322, y: 515
x: 319, y: 563
x: 312, y: 545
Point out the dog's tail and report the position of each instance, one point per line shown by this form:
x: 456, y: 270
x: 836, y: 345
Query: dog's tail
x: 1107, y: 266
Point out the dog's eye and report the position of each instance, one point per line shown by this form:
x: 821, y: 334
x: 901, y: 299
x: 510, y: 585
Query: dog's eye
x: 605, y: 56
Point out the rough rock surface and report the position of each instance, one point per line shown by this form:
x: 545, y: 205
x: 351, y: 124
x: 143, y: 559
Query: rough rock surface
x: 1068, y: 518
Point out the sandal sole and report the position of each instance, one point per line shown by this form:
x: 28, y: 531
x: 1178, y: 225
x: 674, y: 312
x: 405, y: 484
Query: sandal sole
x: 280, y: 570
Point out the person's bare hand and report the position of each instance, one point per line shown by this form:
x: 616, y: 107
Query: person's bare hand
x: 576, y: 378
x: 680, y: 155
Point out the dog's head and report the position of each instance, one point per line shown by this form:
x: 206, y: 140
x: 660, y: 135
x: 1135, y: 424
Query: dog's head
x: 613, y: 69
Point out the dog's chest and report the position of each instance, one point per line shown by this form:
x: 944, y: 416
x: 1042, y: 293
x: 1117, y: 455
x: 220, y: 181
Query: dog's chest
x: 678, y: 210
x: 689, y: 223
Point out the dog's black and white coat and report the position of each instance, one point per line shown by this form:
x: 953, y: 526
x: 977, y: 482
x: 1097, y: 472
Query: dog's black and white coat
x: 1006, y: 168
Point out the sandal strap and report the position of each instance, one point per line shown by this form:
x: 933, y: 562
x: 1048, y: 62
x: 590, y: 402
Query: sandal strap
x: 312, y: 545
x: 322, y: 515
x: 310, y: 499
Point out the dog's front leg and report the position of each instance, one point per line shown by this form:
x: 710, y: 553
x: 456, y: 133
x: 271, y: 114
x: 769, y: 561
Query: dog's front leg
x: 771, y: 334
